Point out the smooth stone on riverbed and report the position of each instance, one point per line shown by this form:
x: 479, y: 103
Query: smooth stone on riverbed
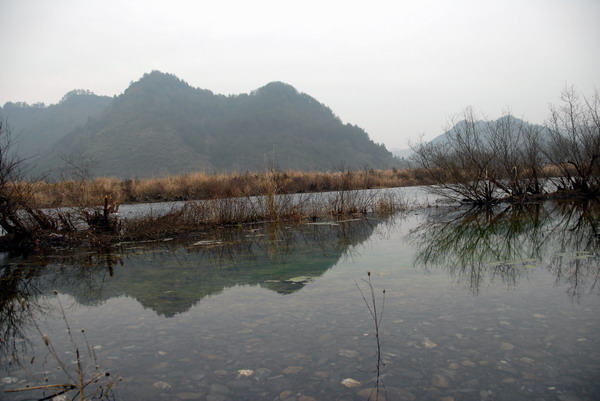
x: 440, y: 381
x: 351, y: 383
x: 262, y: 373
x: 162, y: 385
x: 348, y: 353
x: 245, y: 372
x: 290, y: 370
x: 217, y: 388
x: 507, y: 347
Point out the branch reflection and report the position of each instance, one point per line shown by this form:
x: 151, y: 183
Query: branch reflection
x: 480, y: 247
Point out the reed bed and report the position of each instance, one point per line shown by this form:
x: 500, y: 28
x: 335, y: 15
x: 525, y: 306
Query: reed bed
x: 296, y: 208
x: 198, y: 186
x: 86, y: 211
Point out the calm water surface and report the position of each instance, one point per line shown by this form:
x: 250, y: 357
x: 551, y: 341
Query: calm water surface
x: 478, y: 306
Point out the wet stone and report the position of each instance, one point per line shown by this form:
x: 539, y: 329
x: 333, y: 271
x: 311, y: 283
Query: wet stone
x: 306, y: 398
x: 439, y: 381
x: 348, y: 353
x: 262, y: 374
x: 8, y: 380
x: 507, y: 347
x: 198, y: 377
x: 505, y: 367
x: 162, y: 385
x: 290, y: 370
x: 245, y: 372
x: 217, y: 388
x: 351, y: 383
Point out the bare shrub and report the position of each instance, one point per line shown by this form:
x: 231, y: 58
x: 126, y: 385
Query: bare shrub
x: 574, y: 146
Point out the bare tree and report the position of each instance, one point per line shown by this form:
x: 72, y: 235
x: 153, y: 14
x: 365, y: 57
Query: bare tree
x: 18, y: 219
x: 12, y: 195
x: 461, y: 166
x: 517, y: 163
x: 574, y: 146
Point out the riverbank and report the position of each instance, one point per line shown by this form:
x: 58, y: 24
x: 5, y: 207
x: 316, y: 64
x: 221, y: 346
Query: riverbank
x: 98, y: 226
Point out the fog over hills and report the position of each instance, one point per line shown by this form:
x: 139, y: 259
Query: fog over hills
x: 479, y: 126
x: 161, y: 125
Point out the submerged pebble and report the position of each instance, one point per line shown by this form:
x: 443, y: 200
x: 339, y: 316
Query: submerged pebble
x: 351, y: 383
x: 348, y: 353
x: 8, y: 380
x: 439, y: 381
x: 290, y: 370
x: 245, y: 372
x: 262, y: 373
x: 162, y: 385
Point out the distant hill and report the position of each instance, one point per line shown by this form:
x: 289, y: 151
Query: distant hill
x: 36, y: 128
x: 406, y: 154
x: 161, y: 125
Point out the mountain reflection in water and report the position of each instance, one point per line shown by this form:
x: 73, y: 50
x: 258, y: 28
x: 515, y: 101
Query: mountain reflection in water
x: 182, y: 320
x: 170, y: 277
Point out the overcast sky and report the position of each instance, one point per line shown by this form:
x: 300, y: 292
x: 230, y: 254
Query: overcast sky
x: 398, y: 69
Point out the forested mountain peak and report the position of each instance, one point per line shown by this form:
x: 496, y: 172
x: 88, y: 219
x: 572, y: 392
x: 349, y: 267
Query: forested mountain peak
x: 158, y: 83
x: 276, y: 88
x: 161, y: 125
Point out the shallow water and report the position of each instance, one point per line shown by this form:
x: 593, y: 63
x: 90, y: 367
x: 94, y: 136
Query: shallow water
x: 488, y: 306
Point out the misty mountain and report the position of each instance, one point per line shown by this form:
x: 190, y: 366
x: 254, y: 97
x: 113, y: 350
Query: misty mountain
x: 480, y: 127
x: 37, y: 127
x: 161, y: 125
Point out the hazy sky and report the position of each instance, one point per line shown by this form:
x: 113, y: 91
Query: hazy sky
x: 398, y: 69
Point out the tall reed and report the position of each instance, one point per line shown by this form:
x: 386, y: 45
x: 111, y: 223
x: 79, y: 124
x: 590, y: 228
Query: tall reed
x: 200, y: 185
x: 376, y: 316
x: 97, y: 385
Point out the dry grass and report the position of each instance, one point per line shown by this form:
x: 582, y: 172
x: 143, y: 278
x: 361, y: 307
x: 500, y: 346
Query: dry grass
x: 198, y: 186
x: 87, y: 208
x: 200, y: 215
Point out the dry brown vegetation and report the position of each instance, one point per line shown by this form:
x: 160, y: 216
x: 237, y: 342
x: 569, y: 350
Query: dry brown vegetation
x: 198, y: 186
x: 484, y: 162
x: 85, y: 210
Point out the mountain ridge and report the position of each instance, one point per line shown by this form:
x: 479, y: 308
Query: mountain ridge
x: 160, y: 125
